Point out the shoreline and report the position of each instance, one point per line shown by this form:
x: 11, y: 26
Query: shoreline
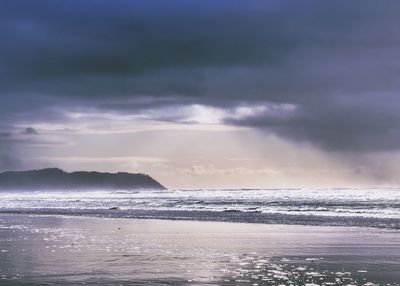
x: 209, y: 216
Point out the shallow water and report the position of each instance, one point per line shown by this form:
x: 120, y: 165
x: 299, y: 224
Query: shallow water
x: 101, y: 251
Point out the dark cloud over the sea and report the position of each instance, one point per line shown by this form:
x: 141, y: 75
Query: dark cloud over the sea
x: 336, y: 61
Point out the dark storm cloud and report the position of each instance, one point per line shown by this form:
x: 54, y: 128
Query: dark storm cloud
x: 335, y: 60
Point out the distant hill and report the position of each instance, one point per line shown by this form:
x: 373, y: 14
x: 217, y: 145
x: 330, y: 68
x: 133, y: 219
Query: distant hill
x: 57, y: 179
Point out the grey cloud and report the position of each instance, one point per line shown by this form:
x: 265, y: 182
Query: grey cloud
x: 30, y: 131
x: 5, y: 134
x: 362, y: 128
x: 335, y: 60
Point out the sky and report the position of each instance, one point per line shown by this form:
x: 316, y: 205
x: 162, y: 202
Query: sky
x: 204, y: 94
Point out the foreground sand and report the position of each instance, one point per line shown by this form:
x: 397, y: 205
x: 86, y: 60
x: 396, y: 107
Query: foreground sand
x: 43, y: 250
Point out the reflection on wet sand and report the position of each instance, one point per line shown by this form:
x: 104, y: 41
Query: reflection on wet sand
x: 80, y: 250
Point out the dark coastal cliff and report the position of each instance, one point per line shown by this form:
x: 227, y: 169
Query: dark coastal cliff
x: 56, y: 179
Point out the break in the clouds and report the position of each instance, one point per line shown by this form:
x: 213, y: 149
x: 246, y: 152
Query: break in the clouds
x: 320, y: 73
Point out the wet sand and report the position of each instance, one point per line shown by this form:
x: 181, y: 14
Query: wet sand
x: 60, y: 250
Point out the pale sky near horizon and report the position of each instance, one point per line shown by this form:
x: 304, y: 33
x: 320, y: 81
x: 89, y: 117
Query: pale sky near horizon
x: 213, y: 94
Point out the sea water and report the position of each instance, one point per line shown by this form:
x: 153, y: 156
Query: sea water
x: 364, y: 207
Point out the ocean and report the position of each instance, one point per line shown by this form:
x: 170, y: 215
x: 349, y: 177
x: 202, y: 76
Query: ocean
x: 339, y: 207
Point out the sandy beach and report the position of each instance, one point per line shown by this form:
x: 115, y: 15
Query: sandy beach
x: 61, y: 250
